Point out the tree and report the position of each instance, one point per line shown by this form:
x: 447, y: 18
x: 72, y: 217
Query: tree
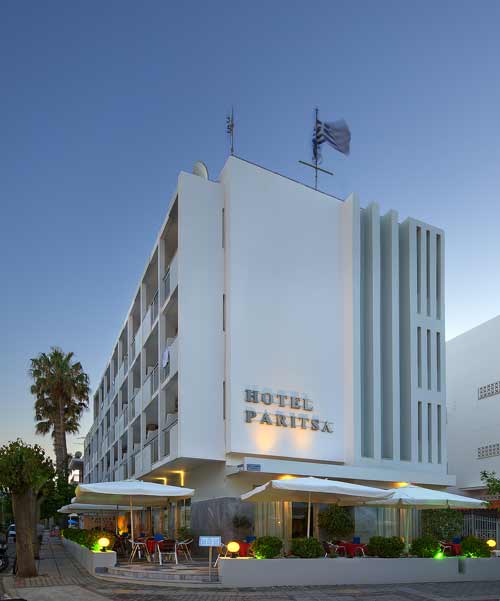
x: 24, y: 470
x: 491, y: 481
x: 61, y: 389
x: 443, y: 524
x: 336, y: 521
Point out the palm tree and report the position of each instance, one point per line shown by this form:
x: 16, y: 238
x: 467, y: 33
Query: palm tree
x: 61, y: 389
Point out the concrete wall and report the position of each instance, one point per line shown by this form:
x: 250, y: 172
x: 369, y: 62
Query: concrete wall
x: 473, y: 361
x: 324, y: 571
x: 285, y: 311
x: 201, y: 342
x: 91, y: 561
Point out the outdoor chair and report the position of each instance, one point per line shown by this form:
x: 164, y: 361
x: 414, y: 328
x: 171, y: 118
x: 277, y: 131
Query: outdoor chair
x: 138, y: 547
x: 222, y: 551
x: 339, y: 548
x: 183, y: 547
x: 167, y: 549
x: 327, y: 548
x: 445, y: 547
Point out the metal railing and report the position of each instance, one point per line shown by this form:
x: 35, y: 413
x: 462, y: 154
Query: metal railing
x: 153, y: 443
x: 154, y: 308
x: 166, y: 285
x: 154, y: 380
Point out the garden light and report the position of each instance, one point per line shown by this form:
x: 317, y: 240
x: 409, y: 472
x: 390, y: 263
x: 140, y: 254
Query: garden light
x: 233, y: 547
x: 491, y: 543
x: 103, y: 542
x: 439, y: 555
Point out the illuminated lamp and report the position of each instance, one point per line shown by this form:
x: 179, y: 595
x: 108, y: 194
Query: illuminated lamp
x: 233, y: 547
x: 103, y: 542
x: 491, y: 543
x: 439, y: 555
x: 400, y: 484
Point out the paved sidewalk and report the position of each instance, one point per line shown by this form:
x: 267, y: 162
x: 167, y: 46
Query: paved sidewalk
x: 62, y: 579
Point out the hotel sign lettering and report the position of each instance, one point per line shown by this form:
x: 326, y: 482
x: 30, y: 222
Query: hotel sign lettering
x: 293, y: 419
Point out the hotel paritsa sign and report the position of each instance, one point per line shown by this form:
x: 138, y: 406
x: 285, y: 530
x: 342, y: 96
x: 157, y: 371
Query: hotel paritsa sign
x: 293, y: 405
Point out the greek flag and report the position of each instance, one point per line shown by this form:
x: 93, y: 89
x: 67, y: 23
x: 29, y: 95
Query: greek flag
x: 335, y: 133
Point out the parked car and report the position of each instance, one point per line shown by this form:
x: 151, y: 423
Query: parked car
x: 11, y: 533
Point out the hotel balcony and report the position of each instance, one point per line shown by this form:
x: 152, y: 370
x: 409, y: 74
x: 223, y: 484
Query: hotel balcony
x: 170, y: 359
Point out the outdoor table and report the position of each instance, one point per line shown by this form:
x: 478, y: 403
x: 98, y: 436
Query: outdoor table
x: 353, y: 549
x: 151, y: 545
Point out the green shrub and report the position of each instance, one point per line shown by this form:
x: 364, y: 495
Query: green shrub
x: 88, y: 538
x: 307, y: 547
x: 475, y: 547
x: 442, y: 524
x: 184, y: 533
x: 267, y: 547
x: 425, y: 546
x: 381, y: 546
x: 336, y: 521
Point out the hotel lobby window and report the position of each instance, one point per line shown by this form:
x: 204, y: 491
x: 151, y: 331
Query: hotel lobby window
x: 299, y: 520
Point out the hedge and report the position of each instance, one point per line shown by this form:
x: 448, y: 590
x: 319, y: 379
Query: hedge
x: 307, y: 547
x: 381, y: 546
x: 267, y: 547
x: 88, y: 538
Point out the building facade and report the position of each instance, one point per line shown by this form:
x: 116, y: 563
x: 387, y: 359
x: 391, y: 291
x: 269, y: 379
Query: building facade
x: 276, y: 331
x: 473, y: 381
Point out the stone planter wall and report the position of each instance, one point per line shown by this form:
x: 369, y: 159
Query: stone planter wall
x: 480, y: 569
x: 92, y: 561
x: 284, y: 572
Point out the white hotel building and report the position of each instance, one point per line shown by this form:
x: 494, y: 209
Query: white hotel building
x: 276, y: 330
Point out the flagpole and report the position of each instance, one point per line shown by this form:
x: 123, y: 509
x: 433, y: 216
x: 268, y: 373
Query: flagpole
x: 316, y: 153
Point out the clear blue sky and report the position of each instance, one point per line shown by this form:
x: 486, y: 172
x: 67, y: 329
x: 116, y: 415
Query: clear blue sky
x: 102, y: 103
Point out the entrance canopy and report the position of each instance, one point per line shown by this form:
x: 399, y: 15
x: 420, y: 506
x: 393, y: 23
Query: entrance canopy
x: 126, y: 492
x: 419, y: 497
x: 315, y: 490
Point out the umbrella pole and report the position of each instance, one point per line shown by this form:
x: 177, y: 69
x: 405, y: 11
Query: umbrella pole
x: 309, y: 515
x: 131, y: 520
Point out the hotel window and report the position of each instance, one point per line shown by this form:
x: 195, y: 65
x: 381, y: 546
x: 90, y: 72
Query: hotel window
x: 419, y: 266
x: 419, y: 356
x: 438, y: 276
x: 419, y: 432
x: 439, y: 434
x: 224, y: 399
x: 429, y: 364
x: 438, y: 361
x: 488, y: 390
x: 429, y: 432
x: 428, y: 269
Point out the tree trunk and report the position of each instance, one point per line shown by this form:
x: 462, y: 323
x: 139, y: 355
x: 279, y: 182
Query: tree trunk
x: 60, y: 449
x: 23, y: 506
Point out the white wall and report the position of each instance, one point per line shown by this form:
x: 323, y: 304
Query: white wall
x: 285, y: 315
x: 473, y: 360
x: 200, y: 341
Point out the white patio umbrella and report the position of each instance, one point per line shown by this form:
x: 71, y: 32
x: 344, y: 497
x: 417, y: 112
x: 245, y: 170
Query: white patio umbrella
x: 122, y: 492
x: 315, y: 490
x: 76, y: 508
x: 418, y: 497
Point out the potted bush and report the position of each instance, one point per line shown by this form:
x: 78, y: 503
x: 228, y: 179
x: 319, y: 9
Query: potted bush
x: 425, y: 546
x: 267, y: 547
x: 475, y: 547
x: 337, y: 522
x: 307, y: 547
x: 381, y: 546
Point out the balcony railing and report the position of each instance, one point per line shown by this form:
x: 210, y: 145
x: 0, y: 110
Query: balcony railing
x: 153, y: 444
x: 166, y: 285
x: 154, y: 380
x: 154, y: 308
x: 125, y: 415
x: 169, y: 359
